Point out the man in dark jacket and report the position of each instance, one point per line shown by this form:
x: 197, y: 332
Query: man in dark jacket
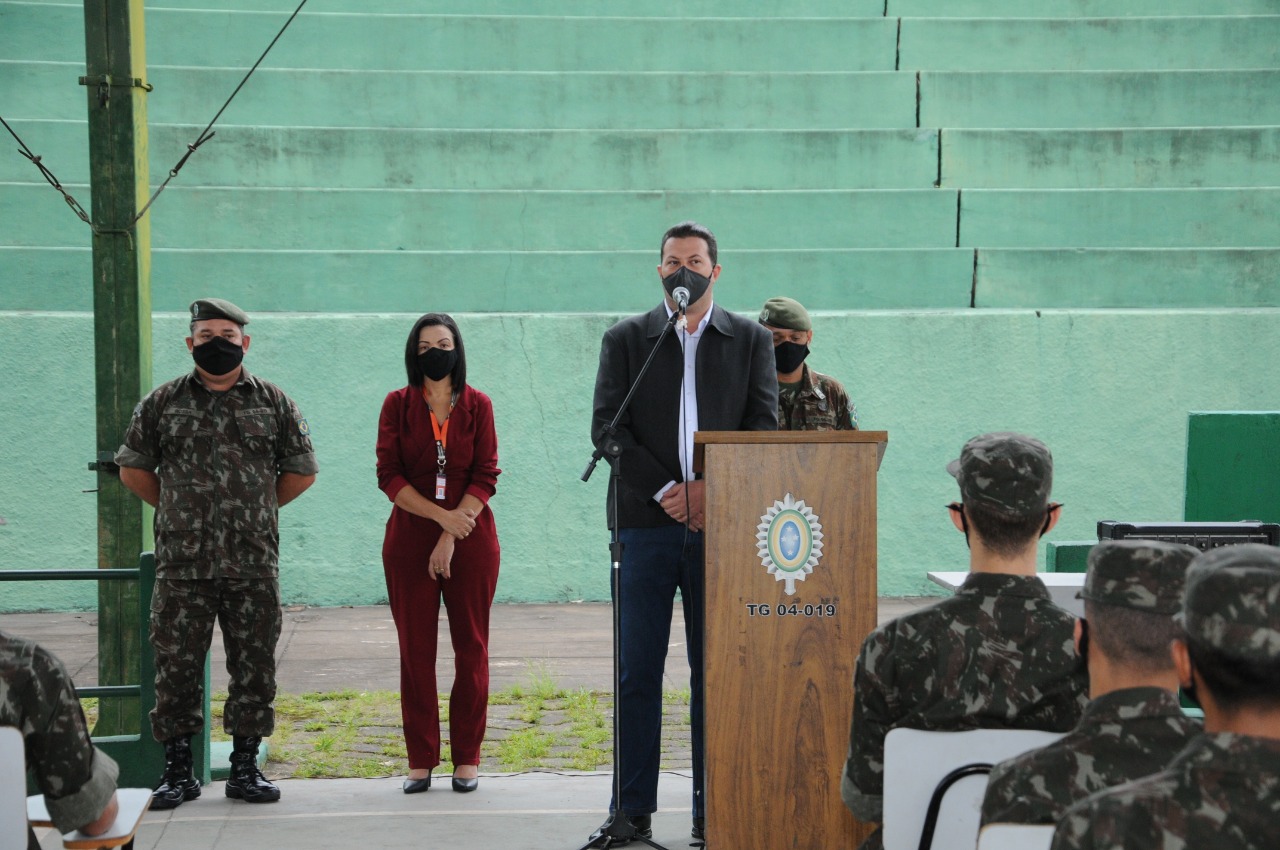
x: 715, y: 372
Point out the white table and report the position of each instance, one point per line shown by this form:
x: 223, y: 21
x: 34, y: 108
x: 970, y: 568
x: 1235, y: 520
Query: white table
x: 1063, y: 587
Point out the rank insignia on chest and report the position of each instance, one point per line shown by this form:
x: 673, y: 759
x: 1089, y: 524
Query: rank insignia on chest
x: 303, y: 428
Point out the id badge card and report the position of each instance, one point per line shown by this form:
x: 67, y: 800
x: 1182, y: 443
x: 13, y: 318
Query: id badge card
x: 440, y: 486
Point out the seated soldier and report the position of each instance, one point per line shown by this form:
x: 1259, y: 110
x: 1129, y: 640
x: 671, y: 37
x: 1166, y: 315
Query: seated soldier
x: 77, y: 779
x: 1133, y: 726
x: 1223, y: 790
x: 998, y: 654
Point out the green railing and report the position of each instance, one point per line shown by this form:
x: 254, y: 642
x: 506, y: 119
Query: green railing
x: 140, y: 756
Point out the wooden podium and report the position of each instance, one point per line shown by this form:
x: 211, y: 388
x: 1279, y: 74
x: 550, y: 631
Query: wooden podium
x: 790, y: 595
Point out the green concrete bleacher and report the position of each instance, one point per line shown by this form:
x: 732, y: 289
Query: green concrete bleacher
x: 1179, y: 157
x: 1120, y: 218
x: 1095, y: 44
x: 366, y: 157
x: 477, y: 42
x: 1108, y: 278
x: 1091, y: 153
x: 321, y: 280
x: 1073, y: 8
x: 1099, y: 99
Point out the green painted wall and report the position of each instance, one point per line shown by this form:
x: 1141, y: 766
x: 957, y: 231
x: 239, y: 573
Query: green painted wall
x: 514, y: 161
x: 1109, y: 391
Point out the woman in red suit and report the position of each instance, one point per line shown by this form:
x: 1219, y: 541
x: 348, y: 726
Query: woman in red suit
x: 438, y: 462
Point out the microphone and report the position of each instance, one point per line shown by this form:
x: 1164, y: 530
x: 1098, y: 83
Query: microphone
x: 681, y: 296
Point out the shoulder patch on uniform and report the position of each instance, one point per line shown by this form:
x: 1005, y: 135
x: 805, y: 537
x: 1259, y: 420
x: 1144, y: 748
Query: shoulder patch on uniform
x: 303, y: 428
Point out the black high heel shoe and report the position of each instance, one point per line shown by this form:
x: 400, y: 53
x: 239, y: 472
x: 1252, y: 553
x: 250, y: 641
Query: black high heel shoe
x: 465, y: 786
x: 417, y: 786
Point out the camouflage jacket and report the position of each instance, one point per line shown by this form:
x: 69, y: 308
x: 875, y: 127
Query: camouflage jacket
x: 1221, y: 792
x: 37, y: 698
x: 218, y: 456
x: 1124, y: 735
x: 997, y: 655
x: 820, y: 404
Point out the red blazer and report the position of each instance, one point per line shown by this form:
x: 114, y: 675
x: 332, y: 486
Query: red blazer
x: 407, y: 455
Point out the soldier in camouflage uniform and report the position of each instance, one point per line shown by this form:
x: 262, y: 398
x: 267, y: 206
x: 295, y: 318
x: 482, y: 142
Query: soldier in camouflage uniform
x: 217, y: 452
x: 77, y: 779
x: 998, y: 654
x: 1133, y: 726
x: 1223, y: 790
x: 807, y: 400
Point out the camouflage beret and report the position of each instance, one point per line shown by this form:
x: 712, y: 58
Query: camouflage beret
x: 786, y: 313
x: 217, y: 308
x: 1009, y: 474
x: 1232, y: 601
x: 1145, y: 575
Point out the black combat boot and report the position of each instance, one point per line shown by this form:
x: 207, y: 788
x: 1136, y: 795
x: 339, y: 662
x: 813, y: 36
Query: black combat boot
x: 246, y: 781
x: 179, y: 783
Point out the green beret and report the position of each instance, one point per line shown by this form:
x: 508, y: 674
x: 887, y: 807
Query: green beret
x: 786, y: 313
x: 217, y: 308
x: 1009, y: 474
x: 1145, y: 575
x: 1232, y: 601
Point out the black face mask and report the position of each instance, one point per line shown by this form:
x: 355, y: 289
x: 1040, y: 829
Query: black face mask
x: 789, y: 356
x: 437, y: 363
x: 218, y: 356
x: 690, y: 280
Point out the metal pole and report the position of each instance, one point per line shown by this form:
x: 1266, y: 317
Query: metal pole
x: 115, y: 77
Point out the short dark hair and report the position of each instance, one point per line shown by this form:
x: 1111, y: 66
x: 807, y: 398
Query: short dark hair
x: 411, y: 367
x: 1136, y: 639
x: 1236, y: 682
x: 1001, y: 534
x: 690, y: 228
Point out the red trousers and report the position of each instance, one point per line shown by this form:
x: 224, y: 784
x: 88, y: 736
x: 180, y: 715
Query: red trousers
x: 415, y: 597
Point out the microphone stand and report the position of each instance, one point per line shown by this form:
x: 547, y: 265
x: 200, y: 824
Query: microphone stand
x: 620, y: 830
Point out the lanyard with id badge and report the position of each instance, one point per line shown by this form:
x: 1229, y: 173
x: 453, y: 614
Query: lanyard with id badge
x: 442, y: 441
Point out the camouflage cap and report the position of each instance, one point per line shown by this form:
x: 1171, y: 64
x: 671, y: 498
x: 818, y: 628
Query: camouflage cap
x: 217, y: 308
x: 1145, y: 575
x: 1232, y: 601
x: 786, y: 313
x: 1009, y: 474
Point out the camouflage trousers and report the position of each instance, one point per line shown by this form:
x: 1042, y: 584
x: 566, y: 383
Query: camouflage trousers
x: 183, y: 612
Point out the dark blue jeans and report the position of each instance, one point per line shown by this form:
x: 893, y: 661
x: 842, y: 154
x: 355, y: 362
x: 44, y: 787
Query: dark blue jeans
x: 656, y: 561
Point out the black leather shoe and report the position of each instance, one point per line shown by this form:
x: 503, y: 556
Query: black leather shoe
x: 417, y: 786
x: 466, y: 786
x: 700, y: 829
x: 643, y: 825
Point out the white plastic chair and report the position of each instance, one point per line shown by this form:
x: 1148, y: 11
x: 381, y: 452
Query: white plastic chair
x: 13, y: 790
x: 955, y: 765
x: 1015, y: 836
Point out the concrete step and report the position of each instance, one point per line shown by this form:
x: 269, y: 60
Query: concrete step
x: 488, y: 220
x: 1181, y: 157
x: 1090, y: 44
x: 554, y: 8
x: 1173, y: 278
x: 1100, y: 99
x: 56, y: 279
x: 1074, y: 8
x: 505, y: 100
x: 359, y: 40
x: 1120, y: 218
x: 571, y: 282
x: 510, y: 159
x: 353, y: 158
